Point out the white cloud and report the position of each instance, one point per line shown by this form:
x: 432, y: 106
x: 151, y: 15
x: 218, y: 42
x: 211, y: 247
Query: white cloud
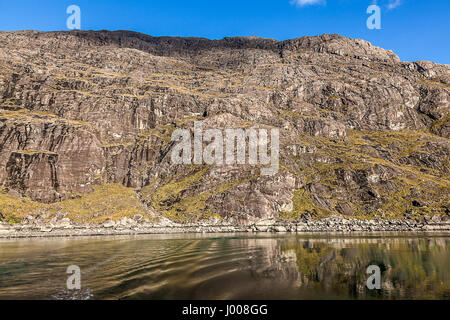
x: 394, y: 4
x: 302, y: 3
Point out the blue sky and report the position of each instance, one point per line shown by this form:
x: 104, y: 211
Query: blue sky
x: 413, y: 29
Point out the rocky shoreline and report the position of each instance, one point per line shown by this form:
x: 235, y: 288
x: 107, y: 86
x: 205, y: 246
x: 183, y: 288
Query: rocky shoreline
x: 125, y: 226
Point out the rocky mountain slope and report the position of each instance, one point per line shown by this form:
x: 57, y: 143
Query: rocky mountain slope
x: 86, y: 120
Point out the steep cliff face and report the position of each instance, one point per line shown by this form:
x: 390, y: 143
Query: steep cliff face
x: 361, y: 133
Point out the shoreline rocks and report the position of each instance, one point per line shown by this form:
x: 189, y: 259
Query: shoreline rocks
x: 125, y: 226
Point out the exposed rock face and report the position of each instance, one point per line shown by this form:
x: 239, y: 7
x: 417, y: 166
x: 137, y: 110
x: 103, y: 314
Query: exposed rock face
x: 33, y: 173
x: 361, y: 133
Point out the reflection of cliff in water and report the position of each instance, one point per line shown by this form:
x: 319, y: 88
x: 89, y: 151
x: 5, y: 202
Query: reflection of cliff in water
x: 411, y: 268
x: 330, y: 267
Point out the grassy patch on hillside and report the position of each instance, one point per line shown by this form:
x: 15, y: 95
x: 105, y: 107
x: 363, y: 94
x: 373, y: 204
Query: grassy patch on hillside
x: 175, y: 199
x: 111, y: 201
x: 401, y: 185
x: 303, y: 203
x: 14, y: 209
x: 25, y: 116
